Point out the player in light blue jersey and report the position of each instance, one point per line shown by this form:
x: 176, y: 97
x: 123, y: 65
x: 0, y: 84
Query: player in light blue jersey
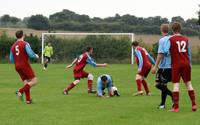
x: 106, y: 81
x: 163, y: 63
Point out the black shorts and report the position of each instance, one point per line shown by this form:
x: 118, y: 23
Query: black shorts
x: 164, y: 75
x: 47, y: 58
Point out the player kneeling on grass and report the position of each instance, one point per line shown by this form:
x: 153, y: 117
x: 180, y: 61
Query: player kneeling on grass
x: 144, y: 61
x: 105, y: 81
x: 79, y: 72
x: 19, y: 54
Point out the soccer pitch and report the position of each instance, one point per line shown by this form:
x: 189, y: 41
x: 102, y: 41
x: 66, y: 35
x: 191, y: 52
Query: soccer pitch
x: 80, y: 108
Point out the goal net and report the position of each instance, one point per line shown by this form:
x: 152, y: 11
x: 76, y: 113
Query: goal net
x: 109, y: 47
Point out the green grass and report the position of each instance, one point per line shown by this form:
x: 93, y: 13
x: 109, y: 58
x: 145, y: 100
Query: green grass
x: 80, y: 108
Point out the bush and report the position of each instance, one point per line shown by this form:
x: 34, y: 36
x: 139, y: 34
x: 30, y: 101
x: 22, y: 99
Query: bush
x: 106, y: 49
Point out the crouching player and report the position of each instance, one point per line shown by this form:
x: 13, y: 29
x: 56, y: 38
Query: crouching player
x: 105, y: 81
x: 144, y: 61
x: 19, y: 54
x: 79, y: 72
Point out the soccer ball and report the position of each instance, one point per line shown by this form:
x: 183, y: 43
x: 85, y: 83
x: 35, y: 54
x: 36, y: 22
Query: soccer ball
x: 114, y: 91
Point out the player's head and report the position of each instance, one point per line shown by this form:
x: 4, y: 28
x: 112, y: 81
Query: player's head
x: 135, y: 44
x: 104, y: 79
x: 49, y: 44
x: 164, y: 28
x: 176, y: 27
x: 89, y: 49
x: 19, y: 34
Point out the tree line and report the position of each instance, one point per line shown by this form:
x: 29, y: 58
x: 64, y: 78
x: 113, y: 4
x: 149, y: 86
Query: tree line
x: 70, y: 21
x: 107, y: 48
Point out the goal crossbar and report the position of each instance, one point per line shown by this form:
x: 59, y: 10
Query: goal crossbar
x: 81, y: 34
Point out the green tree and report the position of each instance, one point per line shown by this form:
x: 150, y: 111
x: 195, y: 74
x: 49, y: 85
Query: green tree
x: 178, y: 19
x: 6, y: 19
x: 38, y: 22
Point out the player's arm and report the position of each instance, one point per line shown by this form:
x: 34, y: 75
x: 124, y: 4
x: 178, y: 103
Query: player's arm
x: 140, y: 59
x: 110, y: 84
x: 158, y: 59
x: 151, y: 59
x: 30, y: 52
x: 94, y: 64
x: 69, y: 66
x: 11, y: 57
x: 189, y: 54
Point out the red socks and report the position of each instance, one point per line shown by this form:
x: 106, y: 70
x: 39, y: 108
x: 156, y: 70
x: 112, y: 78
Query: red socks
x: 72, y: 85
x: 25, y: 88
x: 90, y: 84
x: 191, y: 93
x: 175, y: 95
x: 139, y: 85
x: 146, y: 88
x: 176, y: 99
x: 28, y: 96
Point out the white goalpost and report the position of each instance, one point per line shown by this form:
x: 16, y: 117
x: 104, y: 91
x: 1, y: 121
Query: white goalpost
x: 131, y: 36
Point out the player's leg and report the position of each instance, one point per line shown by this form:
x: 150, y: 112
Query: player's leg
x: 186, y: 75
x: 90, y: 83
x: 144, y: 83
x: 71, y: 86
x: 191, y: 94
x: 159, y: 85
x: 138, y: 79
x: 163, y: 77
x: 46, y: 63
x: 21, y: 90
x: 29, y: 83
x: 168, y: 77
x: 90, y: 78
x: 175, y: 93
x: 146, y: 87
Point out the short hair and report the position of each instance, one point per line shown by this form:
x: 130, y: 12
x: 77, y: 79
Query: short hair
x: 19, y: 34
x: 88, y: 48
x: 176, y: 27
x: 135, y: 43
x: 164, y: 28
x: 104, y: 78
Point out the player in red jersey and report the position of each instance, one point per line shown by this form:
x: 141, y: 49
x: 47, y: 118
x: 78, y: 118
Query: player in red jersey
x: 79, y: 72
x: 144, y: 61
x: 19, y: 54
x: 178, y: 47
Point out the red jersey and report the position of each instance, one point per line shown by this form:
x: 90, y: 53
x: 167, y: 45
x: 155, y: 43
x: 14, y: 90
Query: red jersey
x: 142, y: 53
x: 179, y: 50
x: 81, y: 62
x: 19, y: 54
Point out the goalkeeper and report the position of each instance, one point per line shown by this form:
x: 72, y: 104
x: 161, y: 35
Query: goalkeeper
x: 48, y: 52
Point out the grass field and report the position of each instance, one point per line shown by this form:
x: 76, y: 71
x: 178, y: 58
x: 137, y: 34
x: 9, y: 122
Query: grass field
x: 80, y: 108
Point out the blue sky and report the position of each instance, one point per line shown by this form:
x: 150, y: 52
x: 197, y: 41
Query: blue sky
x: 102, y: 8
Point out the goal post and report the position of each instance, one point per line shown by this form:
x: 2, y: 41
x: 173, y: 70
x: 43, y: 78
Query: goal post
x: 131, y: 36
